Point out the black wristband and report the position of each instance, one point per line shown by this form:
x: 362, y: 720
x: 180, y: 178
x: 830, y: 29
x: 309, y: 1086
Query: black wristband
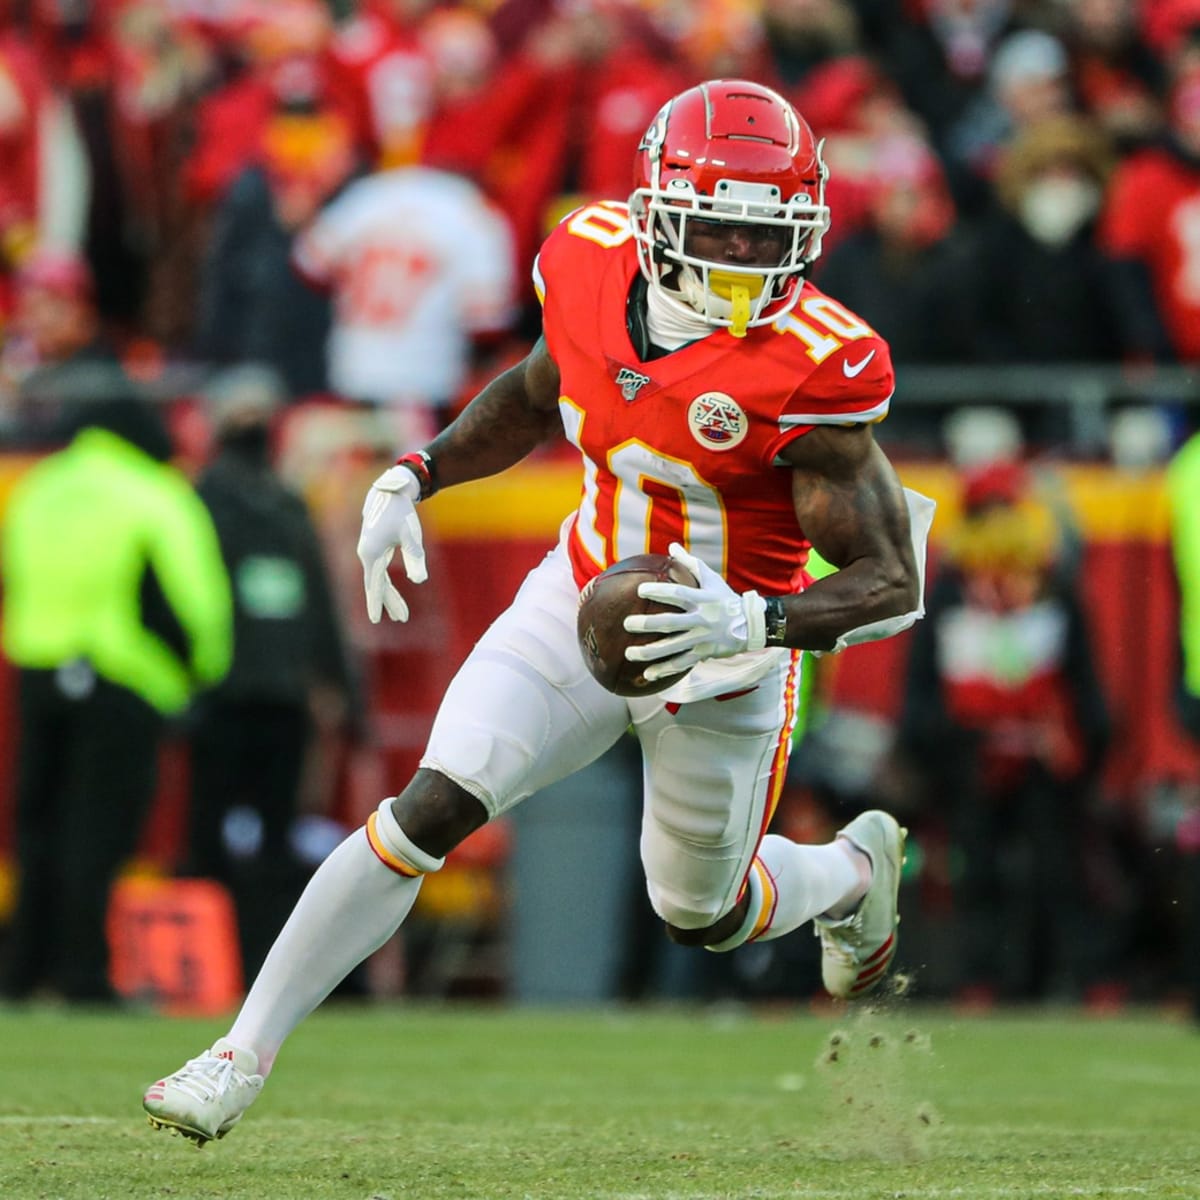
x: 420, y: 463
x: 775, y: 616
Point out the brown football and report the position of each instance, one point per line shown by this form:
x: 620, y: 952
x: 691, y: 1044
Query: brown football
x: 604, y: 604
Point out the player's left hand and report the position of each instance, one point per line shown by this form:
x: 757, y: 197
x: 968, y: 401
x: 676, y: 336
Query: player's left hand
x: 389, y: 520
x: 713, y: 621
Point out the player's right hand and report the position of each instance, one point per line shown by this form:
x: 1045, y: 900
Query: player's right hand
x: 389, y: 520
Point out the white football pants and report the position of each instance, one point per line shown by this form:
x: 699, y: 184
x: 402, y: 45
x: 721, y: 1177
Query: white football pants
x: 523, y: 712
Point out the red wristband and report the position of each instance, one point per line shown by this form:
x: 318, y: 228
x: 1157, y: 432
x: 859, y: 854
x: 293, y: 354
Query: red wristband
x: 421, y: 465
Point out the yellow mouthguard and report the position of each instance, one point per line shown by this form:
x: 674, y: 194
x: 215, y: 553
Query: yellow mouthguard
x: 739, y: 290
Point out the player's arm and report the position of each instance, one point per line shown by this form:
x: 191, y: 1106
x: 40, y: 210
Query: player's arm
x: 852, y: 508
x: 514, y: 413
x: 511, y: 416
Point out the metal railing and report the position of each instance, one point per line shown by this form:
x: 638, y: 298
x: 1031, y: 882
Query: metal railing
x: 1087, y: 395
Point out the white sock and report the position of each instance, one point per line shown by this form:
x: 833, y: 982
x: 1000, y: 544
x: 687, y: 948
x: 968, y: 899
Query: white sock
x: 351, y: 906
x: 803, y: 882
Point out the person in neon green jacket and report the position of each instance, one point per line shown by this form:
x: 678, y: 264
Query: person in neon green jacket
x: 116, y: 611
x: 1183, y: 499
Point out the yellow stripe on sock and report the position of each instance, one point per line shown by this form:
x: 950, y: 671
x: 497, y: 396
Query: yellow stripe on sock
x: 384, y: 855
x: 770, y: 898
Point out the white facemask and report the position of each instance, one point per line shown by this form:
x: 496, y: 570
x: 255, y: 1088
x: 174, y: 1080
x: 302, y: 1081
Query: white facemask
x: 1054, y: 209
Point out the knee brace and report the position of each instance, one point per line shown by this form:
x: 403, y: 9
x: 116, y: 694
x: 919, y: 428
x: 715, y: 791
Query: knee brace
x: 394, y: 848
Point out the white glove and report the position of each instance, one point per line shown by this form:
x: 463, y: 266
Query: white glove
x: 713, y: 621
x: 389, y: 519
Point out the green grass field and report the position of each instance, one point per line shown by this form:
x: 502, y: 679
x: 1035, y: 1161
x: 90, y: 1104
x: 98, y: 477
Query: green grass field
x: 405, y: 1103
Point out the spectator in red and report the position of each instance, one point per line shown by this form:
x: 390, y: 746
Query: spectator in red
x: 506, y: 124
x: 476, y: 95
x: 287, y: 64
x: 906, y: 272
x: 803, y: 37
x: 391, y: 71
x: 1116, y: 76
x: 626, y: 73
x: 33, y: 119
x: 1147, y: 229
x: 715, y: 39
x: 1004, y: 719
x: 559, y: 118
x: 130, y: 71
x: 1167, y: 23
x: 856, y: 109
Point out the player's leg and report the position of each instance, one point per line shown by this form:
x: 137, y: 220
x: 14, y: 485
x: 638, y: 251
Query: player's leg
x: 714, y: 774
x: 520, y: 714
x: 355, y: 901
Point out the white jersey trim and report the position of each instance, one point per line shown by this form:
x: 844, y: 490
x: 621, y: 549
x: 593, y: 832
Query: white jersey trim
x: 539, y: 281
x: 859, y: 416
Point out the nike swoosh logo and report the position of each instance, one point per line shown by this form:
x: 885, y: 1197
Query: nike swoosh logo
x: 851, y: 370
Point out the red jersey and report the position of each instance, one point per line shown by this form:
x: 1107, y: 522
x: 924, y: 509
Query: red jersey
x: 685, y: 447
x: 394, y: 78
x: 1153, y: 215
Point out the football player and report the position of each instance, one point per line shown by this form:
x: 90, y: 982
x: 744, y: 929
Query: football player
x: 723, y: 408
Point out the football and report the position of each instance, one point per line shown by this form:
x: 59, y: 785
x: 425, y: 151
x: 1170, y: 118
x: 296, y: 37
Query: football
x: 604, y: 604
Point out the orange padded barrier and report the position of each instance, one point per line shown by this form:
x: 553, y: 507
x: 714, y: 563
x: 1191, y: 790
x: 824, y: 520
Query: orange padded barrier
x: 174, y: 943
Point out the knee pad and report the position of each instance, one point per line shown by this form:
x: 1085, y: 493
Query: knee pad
x: 682, y: 912
x: 691, y: 917
x: 394, y: 848
x: 692, y: 802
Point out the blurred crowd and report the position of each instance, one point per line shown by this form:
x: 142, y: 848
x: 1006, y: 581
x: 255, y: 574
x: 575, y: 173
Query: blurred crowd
x: 309, y: 226
x: 1011, y: 180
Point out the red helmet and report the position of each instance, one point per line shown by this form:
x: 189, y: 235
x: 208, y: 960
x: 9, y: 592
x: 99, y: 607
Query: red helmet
x: 734, y: 152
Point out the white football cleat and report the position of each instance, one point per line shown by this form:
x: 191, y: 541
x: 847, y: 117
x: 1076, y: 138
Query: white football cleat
x: 857, y: 950
x: 207, y: 1096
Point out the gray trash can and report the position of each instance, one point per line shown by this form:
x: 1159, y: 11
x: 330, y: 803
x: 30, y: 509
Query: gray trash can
x: 574, y: 870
